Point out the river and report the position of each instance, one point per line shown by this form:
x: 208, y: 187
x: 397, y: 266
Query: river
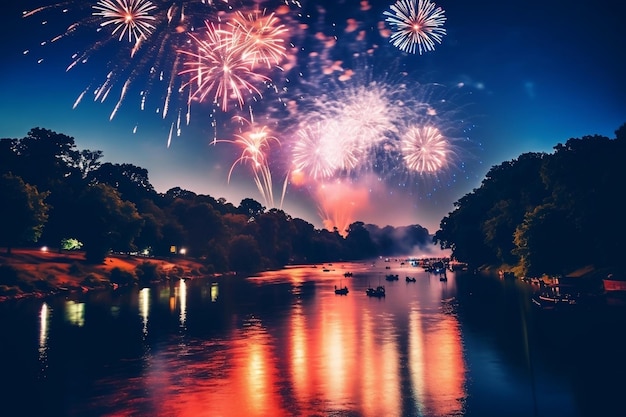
x: 284, y: 344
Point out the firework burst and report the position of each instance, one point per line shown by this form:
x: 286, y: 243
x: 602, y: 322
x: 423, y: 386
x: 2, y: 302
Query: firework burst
x: 150, y: 70
x: 425, y: 149
x: 130, y: 18
x: 263, y: 38
x: 255, y: 144
x: 220, y: 67
x: 322, y: 150
x: 416, y: 25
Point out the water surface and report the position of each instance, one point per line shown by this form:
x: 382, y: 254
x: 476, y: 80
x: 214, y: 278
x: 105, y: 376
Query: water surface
x: 284, y: 344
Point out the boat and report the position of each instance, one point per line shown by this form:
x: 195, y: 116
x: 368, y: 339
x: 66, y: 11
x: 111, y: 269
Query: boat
x: 552, y: 298
x: 376, y: 292
x: 341, y: 291
x: 347, y: 274
x: 610, y: 283
x: 392, y: 277
x: 438, y: 268
x: 443, y: 277
x: 409, y: 279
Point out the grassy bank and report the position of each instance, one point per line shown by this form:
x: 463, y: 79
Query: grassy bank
x: 30, y: 272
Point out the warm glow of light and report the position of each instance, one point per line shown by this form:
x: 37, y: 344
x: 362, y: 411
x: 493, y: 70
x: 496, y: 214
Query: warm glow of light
x: 182, y: 295
x: 75, y: 313
x: 215, y: 291
x: 445, y: 374
x: 44, y: 319
x: 338, y: 202
x: 144, y: 308
x: 299, y: 365
x: 417, y: 359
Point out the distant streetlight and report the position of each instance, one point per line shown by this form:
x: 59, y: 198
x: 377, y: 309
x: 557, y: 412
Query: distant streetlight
x: 44, y: 249
x: 182, y: 251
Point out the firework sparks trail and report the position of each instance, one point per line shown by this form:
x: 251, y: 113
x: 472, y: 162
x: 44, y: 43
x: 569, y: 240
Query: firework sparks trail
x: 155, y: 30
x: 425, y: 149
x: 222, y: 67
x: 130, y: 17
x: 337, y: 203
x: 255, y: 144
x: 341, y: 131
x: 416, y: 25
x: 263, y: 38
x: 148, y: 66
x: 322, y: 149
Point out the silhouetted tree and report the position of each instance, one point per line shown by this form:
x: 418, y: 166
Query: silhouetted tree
x: 547, y: 242
x: 250, y: 207
x: 359, y: 243
x: 106, y: 222
x: 23, y: 212
x: 244, y: 254
x: 129, y: 180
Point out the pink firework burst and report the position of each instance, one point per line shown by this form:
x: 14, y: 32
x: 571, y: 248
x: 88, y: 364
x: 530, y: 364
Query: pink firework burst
x: 425, y: 149
x: 263, y: 37
x: 220, y: 68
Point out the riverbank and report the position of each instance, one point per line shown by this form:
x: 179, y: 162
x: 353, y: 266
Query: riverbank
x: 37, y: 273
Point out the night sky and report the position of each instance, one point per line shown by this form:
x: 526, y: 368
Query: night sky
x: 507, y: 78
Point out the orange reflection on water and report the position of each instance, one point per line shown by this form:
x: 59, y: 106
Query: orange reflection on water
x: 330, y: 354
x: 298, y: 354
x: 445, y: 368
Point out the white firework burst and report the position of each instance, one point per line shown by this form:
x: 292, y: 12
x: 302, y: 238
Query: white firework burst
x: 416, y: 25
x: 130, y: 17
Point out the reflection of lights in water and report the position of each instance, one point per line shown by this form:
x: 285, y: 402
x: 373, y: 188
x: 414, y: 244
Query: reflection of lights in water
x: 389, y: 362
x: 44, y: 318
x: 255, y: 366
x: 417, y: 360
x: 299, y: 369
x: 182, y: 295
x: 445, y: 374
x: 215, y: 291
x: 144, y: 308
x: 75, y: 313
x: 335, y: 366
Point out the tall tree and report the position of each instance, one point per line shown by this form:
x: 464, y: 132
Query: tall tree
x: 106, y: 222
x: 129, y: 180
x: 23, y: 212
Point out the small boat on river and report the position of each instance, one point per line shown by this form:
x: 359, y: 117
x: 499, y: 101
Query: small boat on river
x: 409, y: 279
x: 341, y: 291
x: 552, y: 298
x: 375, y: 292
x: 392, y: 277
x: 612, y: 283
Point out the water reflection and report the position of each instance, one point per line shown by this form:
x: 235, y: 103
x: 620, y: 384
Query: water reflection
x: 318, y: 354
x: 144, y: 308
x: 75, y: 313
x: 44, y: 321
x: 182, y: 296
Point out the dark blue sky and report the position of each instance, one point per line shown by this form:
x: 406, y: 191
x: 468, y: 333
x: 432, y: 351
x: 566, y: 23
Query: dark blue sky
x: 518, y: 76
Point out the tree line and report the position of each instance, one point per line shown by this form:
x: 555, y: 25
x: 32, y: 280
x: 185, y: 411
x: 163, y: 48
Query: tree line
x: 546, y: 213
x: 67, y: 198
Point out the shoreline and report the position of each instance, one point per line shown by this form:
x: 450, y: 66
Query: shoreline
x: 34, y: 273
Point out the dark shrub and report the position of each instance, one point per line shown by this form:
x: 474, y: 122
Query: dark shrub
x: 148, y: 272
x: 8, y: 275
x: 121, y: 277
x: 76, y: 269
